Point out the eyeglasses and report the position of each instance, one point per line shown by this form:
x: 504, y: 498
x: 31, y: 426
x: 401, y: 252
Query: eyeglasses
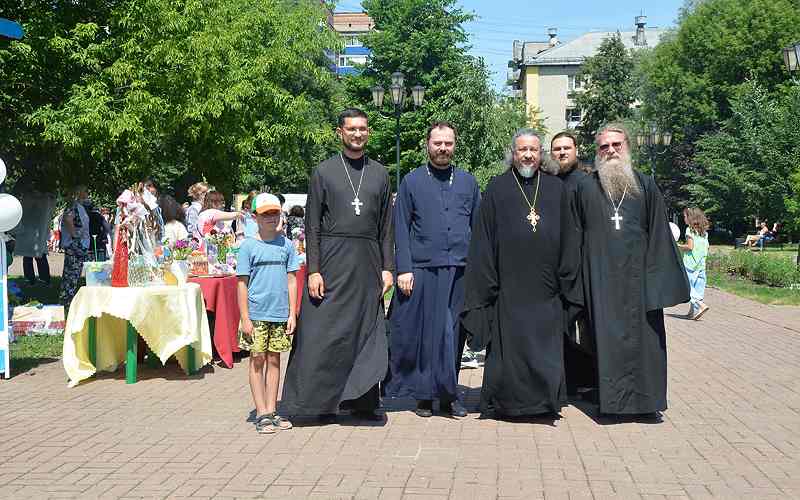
x: 616, y: 145
x: 353, y: 130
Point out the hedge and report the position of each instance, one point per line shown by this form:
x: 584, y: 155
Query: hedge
x: 758, y: 267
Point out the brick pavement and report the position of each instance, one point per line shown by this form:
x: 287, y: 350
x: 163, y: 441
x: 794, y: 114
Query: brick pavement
x: 732, y: 431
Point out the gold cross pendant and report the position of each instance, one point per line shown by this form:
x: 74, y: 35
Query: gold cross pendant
x: 533, y: 217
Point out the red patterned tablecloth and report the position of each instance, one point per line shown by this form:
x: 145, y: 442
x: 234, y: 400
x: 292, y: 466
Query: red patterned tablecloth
x: 219, y: 294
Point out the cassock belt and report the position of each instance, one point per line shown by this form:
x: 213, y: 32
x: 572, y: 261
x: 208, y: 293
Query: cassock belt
x: 349, y: 235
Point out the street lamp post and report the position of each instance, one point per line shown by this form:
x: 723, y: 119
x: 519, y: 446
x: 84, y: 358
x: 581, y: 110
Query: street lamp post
x: 791, y: 57
x: 398, y: 95
x: 651, y: 137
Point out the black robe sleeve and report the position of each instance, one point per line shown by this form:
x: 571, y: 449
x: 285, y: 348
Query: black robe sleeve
x: 667, y: 283
x: 569, y: 266
x: 387, y: 229
x: 314, y: 203
x: 481, y: 278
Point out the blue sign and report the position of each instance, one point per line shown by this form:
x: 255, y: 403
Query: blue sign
x: 10, y: 29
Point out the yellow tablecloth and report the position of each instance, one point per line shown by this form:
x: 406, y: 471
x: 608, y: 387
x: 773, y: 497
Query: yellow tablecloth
x: 168, y: 318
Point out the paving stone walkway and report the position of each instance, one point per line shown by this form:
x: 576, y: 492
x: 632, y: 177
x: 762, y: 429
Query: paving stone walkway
x: 732, y: 431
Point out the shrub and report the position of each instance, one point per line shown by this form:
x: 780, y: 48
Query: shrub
x: 757, y: 267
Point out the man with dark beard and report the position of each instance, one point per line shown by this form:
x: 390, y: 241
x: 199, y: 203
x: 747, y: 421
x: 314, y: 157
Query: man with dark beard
x: 432, y: 220
x: 580, y: 365
x: 522, y: 263
x: 340, y: 353
x: 631, y: 271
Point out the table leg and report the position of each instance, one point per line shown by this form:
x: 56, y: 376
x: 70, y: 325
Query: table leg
x: 93, y: 341
x: 190, y: 360
x: 130, y: 361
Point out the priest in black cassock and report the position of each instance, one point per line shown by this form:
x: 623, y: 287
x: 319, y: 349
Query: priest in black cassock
x: 340, y: 350
x: 522, y: 265
x: 580, y: 364
x: 631, y: 270
x: 432, y: 221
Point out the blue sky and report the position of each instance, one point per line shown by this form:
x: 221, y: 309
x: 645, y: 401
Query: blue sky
x: 501, y: 21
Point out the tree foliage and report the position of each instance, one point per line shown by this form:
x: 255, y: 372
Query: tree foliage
x: 39, y: 71
x: 425, y: 40
x: 236, y: 91
x: 693, y: 74
x: 748, y: 168
x: 609, y: 87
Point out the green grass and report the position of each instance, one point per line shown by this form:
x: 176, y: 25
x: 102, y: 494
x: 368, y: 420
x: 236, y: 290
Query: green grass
x: 753, y: 291
x: 789, y: 251
x: 29, y: 352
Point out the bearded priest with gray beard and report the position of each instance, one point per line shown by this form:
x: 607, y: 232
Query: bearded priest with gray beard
x: 522, y: 266
x: 631, y: 270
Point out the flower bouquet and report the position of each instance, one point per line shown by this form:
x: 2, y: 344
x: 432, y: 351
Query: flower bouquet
x: 219, y: 247
x: 181, y: 249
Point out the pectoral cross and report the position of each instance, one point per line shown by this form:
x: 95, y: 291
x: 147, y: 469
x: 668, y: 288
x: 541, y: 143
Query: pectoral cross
x: 533, y: 217
x: 357, y: 205
x: 617, y: 219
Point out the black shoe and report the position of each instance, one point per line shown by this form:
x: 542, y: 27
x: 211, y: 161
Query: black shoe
x: 454, y: 408
x: 591, y: 396
x: 424, y: 408
x: 370, y: 415
x: 327, y: 418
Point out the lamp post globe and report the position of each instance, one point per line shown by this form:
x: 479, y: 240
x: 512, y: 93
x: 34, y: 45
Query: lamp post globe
x: 418, y: 93
x: 377, y: 96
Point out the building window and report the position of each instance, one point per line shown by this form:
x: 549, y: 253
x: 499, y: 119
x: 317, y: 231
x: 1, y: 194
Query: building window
x: 575, y: 82
x: 352, y: 41
x: 573, y: 115
x: 344, y: 62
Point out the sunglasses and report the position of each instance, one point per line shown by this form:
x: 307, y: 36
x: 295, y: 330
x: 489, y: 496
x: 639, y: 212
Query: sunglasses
x: 616, y: 145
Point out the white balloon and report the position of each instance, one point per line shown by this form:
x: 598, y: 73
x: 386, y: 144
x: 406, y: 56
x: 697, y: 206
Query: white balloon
x: 676, y: 231
x: 10, y: 212
x: 2, y: 171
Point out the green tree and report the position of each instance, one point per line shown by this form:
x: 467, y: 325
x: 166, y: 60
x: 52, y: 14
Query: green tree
x: 236, y: 91
x: 693, y: 74
x: 610, y: 87
x: 39, y: 71
x: 426, y: 41
x: 750, y: 167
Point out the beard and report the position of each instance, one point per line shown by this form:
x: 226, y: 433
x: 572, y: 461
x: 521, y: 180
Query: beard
x: 440, y: 160
x: 564, y: 168
x: 549, y: 165
x: 526, y: 172
x: 617, y: 176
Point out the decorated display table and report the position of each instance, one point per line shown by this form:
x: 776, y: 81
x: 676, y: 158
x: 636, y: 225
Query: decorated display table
x: 220, y: 298
x: 103, y: 322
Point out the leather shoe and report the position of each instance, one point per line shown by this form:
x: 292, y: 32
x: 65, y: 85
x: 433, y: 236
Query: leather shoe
x: 455, y: 409
x: 424, y: 408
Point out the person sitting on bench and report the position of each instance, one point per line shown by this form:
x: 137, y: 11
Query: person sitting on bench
x: 753, y: 239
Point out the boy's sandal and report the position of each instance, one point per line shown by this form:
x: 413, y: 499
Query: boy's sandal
x: 279, y: 423
x: 264, y: 425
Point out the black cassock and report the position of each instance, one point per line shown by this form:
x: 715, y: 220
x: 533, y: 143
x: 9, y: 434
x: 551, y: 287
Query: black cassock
x: 580, y: 365
x: 516, y: 280
x: 340, y: 349
x: 629, y: 276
